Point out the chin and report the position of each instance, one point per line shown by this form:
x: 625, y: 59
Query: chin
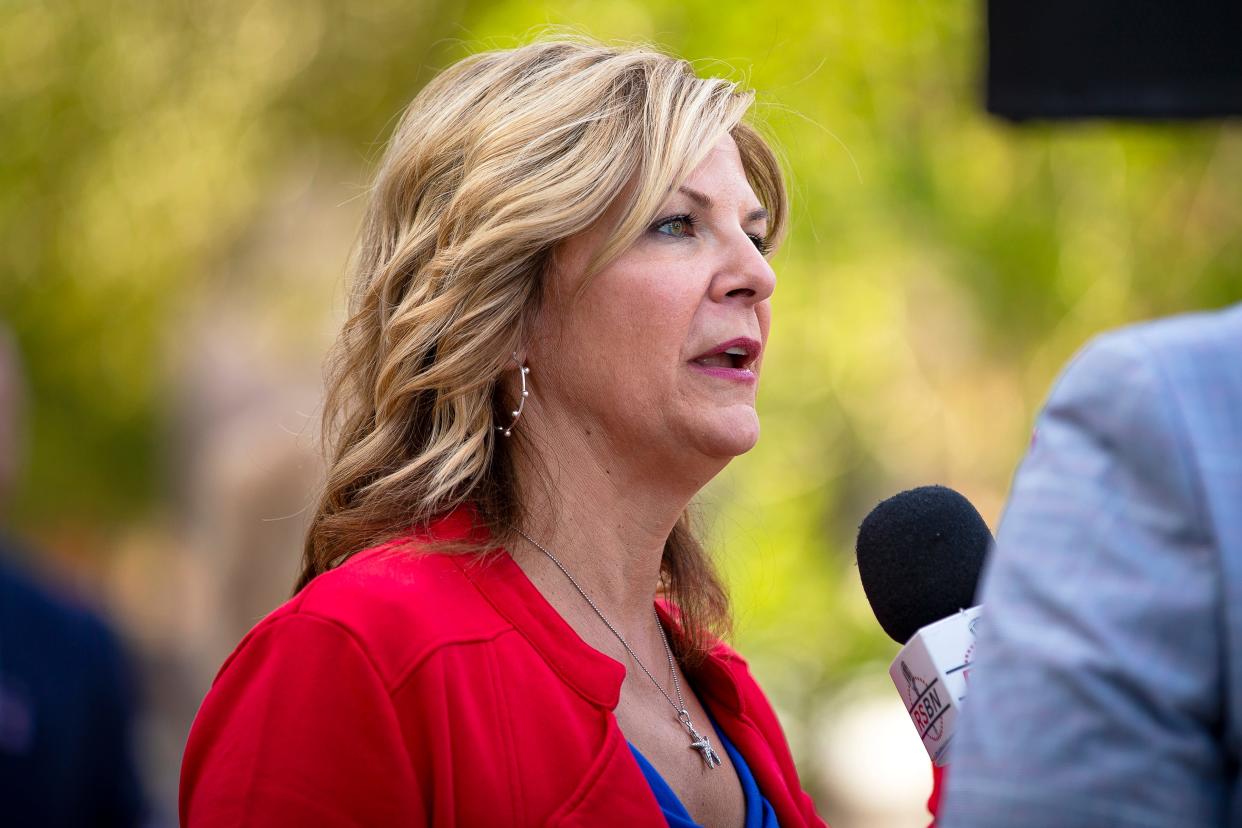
x: 729, y: 436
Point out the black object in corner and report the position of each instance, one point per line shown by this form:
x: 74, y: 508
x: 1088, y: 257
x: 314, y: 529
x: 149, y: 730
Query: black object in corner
x: 1138, y: 59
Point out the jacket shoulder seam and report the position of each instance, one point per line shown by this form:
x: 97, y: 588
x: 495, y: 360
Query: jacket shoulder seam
x: 409, y: 671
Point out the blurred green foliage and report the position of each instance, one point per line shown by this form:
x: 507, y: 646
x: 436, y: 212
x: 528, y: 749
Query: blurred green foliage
x: 943, y: 264
x: 140, y: 138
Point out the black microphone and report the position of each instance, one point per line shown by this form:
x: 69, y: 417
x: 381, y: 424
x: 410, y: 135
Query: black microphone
x: 920, y: 556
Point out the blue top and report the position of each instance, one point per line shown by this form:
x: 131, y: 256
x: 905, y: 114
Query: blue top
x: 759, y: 812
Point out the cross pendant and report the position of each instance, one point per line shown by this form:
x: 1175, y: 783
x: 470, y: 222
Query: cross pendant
x: 700, y: 743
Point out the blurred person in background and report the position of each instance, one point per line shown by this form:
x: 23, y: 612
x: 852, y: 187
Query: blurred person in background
x: 1108, y: 684
x: 560, y: 302
x: 66, y: 693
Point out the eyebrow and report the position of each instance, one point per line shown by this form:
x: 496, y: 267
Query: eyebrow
x: 705, y: 201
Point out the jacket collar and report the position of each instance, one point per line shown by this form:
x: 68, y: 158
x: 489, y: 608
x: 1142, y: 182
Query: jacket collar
x: 592, y: 674
x: 597, y: 677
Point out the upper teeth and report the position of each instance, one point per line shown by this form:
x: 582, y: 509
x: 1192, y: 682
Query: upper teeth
x: 735, y: 351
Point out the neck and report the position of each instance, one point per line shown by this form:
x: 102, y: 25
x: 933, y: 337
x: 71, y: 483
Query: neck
x: 606, y: 516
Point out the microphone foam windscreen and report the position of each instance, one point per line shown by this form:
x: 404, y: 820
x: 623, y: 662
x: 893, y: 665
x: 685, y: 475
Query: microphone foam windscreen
x: 920, y: 555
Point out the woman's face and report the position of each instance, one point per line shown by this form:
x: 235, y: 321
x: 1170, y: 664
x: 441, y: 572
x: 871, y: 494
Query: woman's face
x: 636, y: 362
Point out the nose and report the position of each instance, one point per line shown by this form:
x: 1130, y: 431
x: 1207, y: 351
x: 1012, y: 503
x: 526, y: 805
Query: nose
x: 744, y: 275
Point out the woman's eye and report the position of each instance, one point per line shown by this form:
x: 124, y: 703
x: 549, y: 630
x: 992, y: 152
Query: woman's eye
x: 679, y: 224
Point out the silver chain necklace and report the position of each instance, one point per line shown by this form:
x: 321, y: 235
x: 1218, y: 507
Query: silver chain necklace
x: 697, y: 741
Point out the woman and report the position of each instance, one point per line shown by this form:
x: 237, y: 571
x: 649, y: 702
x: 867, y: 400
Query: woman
x: 561, y: 302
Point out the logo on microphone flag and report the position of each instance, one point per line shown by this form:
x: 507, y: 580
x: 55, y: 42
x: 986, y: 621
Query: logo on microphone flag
x: 924, y: 704
x: 931, y: 673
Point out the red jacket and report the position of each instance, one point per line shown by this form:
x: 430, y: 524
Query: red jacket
x: 441, y: 689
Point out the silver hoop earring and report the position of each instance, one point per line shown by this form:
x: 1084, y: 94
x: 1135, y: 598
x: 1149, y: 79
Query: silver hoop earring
x: 521, y: 400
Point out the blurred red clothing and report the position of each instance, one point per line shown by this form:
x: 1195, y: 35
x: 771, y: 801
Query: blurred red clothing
x: 933, y: 801
x: 441, y: 689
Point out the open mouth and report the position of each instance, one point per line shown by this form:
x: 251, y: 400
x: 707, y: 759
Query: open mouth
x: 733, y: 358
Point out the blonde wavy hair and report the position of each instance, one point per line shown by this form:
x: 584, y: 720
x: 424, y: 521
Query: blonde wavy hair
x: 496, y: 161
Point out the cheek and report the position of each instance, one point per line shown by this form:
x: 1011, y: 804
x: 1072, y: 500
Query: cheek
x: 635, y: 330
x: 658, y: 324
x: 660, y: 321
x: 647, y: 304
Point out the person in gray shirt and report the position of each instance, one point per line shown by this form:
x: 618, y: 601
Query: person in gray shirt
x: 1108, y: 685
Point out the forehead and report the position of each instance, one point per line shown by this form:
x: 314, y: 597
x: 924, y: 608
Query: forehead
x: 721, y: 172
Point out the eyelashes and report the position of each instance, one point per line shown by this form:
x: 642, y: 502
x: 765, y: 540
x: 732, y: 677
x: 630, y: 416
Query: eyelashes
x: 690, y: 220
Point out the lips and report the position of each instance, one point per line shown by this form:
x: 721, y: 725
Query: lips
x: 736, y: 354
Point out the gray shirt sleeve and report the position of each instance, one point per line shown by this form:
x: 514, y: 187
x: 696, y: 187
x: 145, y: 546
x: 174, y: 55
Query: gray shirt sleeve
x: 1097, y: 694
